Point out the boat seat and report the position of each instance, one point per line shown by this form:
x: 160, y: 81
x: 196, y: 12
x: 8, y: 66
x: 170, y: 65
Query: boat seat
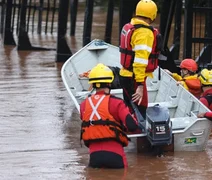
x: 168, y: 104
x: 97, y: 45
x: 167, y: 88
x: 153, y: 84
x: 84, y: 94
x: 181, y: 123
x: 154, y: 89
x: 152, y: 93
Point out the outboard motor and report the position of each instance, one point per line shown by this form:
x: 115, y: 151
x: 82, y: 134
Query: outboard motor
x: 159, y: 126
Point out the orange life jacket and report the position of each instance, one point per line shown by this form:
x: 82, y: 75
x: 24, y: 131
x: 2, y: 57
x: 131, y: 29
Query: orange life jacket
x: 127, y: 54
x: 98, y: 124
x: 194, y: 86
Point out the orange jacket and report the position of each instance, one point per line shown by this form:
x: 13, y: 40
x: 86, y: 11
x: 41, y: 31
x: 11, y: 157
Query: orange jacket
x: 191, y: 83
x: 98, y: 124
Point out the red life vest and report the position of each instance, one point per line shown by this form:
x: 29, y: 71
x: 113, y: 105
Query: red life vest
x: 127, y: 54
x: 194, y: 86
x: 98, y: 124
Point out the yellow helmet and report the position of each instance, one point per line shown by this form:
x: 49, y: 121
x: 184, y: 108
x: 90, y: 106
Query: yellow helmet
x: 206, y: 77
x: 101, y: 74
x: 146, y: 8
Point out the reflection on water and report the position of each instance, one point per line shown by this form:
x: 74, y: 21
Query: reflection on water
x: 177, y: 165
x: 35, y: 111
x: 189, y: 165
x: 39, y: 126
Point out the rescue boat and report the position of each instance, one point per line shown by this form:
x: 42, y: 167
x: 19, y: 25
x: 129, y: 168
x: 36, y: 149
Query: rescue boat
x: 183, y: 129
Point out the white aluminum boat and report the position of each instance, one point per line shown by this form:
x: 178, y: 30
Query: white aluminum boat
x: 190, y: 133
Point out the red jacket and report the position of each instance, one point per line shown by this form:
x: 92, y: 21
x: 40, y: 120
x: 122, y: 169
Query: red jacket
x: 208, y: 115
x: 204, y: 100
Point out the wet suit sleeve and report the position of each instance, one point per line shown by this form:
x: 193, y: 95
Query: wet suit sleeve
x: 208, y: 115
x: 142, y: 42
x: 177, y: 77
x: 184, y: 84
x: 82, y: 109
x: 120, y: 111
x: 204, y: 101
x: 131, y: 123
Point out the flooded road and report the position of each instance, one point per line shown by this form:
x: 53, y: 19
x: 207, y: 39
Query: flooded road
x: 34, y: 113
x: 39, y: 126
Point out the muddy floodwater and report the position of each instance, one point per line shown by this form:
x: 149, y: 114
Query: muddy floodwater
x: 39, y: 125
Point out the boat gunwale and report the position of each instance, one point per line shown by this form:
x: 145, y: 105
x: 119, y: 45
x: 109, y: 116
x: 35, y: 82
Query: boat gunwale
x: 180, y: 131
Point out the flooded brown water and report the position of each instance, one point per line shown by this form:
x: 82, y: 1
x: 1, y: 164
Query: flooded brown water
x: 39, y: 126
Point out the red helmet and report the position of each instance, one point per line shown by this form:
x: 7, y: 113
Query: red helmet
x: 189, y: 64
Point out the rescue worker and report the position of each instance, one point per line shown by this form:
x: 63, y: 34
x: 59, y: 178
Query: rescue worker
x: 105, y: 121
x: 206, y: 98
x: 188, y: 78
x: 140, y: 45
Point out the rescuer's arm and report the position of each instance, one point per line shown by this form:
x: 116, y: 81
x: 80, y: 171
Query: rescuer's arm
x: 142, y: 42
x: 204, y: 101
x: 120, y: 112
x: 82, y: 109
x: 183, y: 84
x: 176, y: 76
x: 138, y: 95
x: 207, y: 115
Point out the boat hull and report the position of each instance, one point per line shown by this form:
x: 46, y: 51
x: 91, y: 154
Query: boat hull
x: 189, y: 132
